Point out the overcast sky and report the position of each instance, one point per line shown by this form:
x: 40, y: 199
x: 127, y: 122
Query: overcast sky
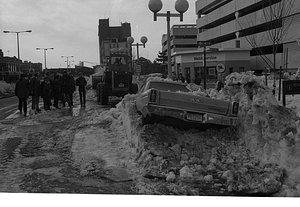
x: 71, y: 27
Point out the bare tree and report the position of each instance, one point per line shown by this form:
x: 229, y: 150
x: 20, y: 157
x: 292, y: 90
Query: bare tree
x: 274, y: 23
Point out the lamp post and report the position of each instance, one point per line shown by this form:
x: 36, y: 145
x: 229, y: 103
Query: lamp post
x: 181, y: 6
x: 18, y: 44
x: 67, y: 59
x: 204, y: 44
x: 130, y: 40
x: 45, y: 49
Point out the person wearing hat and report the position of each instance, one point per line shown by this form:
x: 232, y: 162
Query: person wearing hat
x: 81, y: 83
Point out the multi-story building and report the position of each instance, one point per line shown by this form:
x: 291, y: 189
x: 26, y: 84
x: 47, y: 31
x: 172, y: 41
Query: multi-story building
x: 29, y: 67
x: 247, y: 24
x: 182, y: 38
x: 187, y: 57
x: 12, y: 67
x: 112, y: 37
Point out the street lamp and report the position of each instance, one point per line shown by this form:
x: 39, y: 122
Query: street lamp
x: 204, y: 44
x: 181, y: 6
x: 67, y: 59
x: 45, y: 49
x: 130, y: 40
x: 18, y: 44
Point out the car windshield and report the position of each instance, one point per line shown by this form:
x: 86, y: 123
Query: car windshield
x: 168, y: 86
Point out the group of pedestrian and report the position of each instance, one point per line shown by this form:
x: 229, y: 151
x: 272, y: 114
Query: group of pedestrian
x: 59, y: 88
x: 181, y: 78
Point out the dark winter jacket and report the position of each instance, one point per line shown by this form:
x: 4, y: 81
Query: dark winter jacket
x: 219, y: 85
x: 35, y: 87
x: 46, y: 88
x: 56, y: 88
x: 72, y: 83
x: 66, y: 84
x: 198, y: 80
x: 22, y: 88
x: 81, y: 83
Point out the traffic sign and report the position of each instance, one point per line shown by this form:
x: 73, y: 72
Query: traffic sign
x: 221, y: 68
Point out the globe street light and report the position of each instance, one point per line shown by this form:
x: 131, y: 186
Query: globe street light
x: 130, y: 40
x: 45, y: 49
x: 181, y: 6
x: 18, y: 44
x: 67, y: 59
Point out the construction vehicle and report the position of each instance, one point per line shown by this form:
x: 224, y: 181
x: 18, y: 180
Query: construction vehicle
x: 117, y: 78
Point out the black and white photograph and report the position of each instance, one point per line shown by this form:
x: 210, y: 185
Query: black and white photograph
x: 149, y: 102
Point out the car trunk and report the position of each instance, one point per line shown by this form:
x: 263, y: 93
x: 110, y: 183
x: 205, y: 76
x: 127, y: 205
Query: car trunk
x: 193, y: 103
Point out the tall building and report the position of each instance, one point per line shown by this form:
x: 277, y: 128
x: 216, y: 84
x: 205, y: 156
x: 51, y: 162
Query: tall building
x: 234, y: 24
x: 182, y: 38
x: 112, y: 37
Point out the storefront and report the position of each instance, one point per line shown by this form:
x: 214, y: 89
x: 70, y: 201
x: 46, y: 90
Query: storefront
x: 226, y: 61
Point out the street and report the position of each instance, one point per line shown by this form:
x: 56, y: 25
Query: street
x: 47, y: 152
x: 8, y: 106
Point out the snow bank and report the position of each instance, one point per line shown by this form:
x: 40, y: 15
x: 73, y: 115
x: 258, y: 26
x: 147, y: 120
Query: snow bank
x: 270, y: 131
x: 6, y: 87
x: 132, y: 121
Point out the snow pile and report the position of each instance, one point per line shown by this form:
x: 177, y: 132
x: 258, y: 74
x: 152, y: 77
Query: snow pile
x: 108, y: 152
x: 99, y: 71
x: 269, y: 141
x: 6, y: 87
x: 269, y: 130
x: 193, y: 162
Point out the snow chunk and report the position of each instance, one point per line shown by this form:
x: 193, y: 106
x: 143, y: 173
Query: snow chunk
x: 171, y: 177
x: 185, y: 172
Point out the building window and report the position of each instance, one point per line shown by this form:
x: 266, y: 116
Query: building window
x: 241, y: 69
x: 211, y: 71
x: 230, y: 70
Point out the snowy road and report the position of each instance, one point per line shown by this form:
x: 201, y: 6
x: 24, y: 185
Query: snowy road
x: 8, y: 106
x: 58, y: 152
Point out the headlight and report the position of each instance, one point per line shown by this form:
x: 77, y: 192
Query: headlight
x: 153, y: 95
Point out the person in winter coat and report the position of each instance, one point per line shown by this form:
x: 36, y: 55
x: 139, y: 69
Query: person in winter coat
x: 181, y: 78
x: 22, y: 92
x: 220, y: 83
x: 56, y: 90
x: 72, y: 88
x: 35, y: 91
x: 81, y: 83
x: 66, y: 89
x: 46, y: 93
x: 198, y: 80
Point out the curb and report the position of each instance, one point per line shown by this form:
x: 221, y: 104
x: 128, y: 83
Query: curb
x: 6, y: 96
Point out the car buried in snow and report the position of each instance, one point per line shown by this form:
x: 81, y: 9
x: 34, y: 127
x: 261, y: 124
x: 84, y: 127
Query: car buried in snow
x: 171, y: 102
